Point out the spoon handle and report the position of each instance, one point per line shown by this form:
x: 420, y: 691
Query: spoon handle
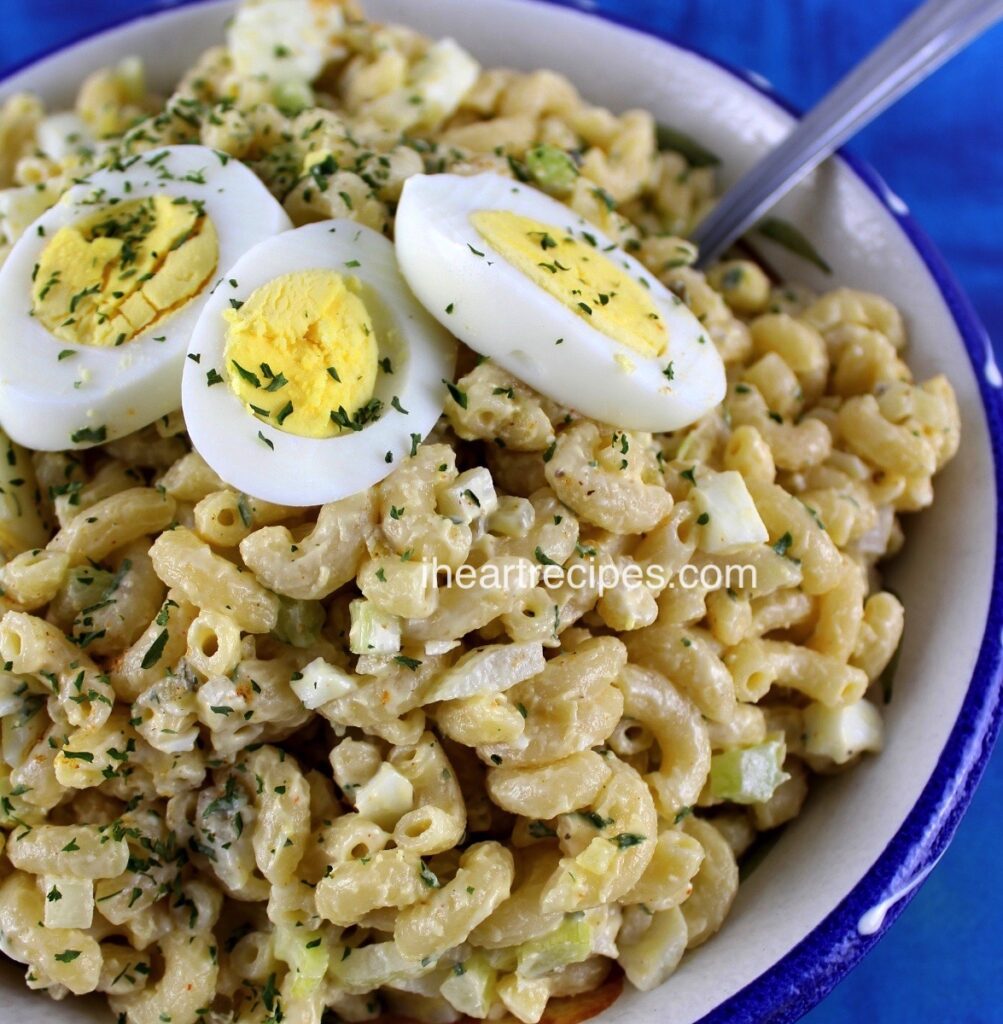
x: 932, y: 34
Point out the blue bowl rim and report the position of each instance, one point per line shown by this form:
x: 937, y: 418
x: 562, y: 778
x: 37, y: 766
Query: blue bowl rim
x: 806, y: 974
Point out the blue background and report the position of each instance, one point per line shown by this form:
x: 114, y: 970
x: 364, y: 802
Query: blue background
x: 941, y: 149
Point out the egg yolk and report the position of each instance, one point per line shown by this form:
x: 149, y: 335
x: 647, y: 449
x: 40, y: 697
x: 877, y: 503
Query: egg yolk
x: 301, y: 353
x: 123, y: 269
x: 578, y: 274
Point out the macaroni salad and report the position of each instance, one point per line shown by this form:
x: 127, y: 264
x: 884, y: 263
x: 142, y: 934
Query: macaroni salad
x: 264, y: 761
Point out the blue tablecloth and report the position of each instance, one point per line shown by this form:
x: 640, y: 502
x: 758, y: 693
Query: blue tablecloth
x: 941, y: 149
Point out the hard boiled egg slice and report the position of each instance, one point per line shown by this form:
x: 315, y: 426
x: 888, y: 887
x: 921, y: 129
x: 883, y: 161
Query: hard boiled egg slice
x: 312, y: 370
x: 521, y: 278
x: 100, y: 295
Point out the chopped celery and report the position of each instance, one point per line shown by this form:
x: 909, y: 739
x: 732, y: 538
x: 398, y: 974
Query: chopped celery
x: 87, y: 587
x: 307, y: 954
x: 470, y: 987
x: 749, y: 775
x: 503, y: 959
x: 360, y: 969
x: 569, y: 943
x: 293, y: 97
x: 552, y: 169
x: 300, y: 622
x: 373, y: 631
x: 599, y: 855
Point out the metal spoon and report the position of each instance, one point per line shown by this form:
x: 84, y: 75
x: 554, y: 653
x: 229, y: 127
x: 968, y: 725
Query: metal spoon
x: 932, y: 34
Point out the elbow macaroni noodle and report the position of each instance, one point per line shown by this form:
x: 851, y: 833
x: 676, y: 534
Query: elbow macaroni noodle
x: 422, y: 797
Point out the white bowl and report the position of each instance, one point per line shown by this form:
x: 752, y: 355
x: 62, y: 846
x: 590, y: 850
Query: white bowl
x: 842, y: 871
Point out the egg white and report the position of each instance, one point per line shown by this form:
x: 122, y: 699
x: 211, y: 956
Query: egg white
x: 271, y: 464
x: 283, y: 40
x: 500, y: 312
x: 44, y: 399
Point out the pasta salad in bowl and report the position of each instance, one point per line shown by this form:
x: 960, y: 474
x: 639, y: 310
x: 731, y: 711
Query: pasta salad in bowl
x: 425, y: 593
